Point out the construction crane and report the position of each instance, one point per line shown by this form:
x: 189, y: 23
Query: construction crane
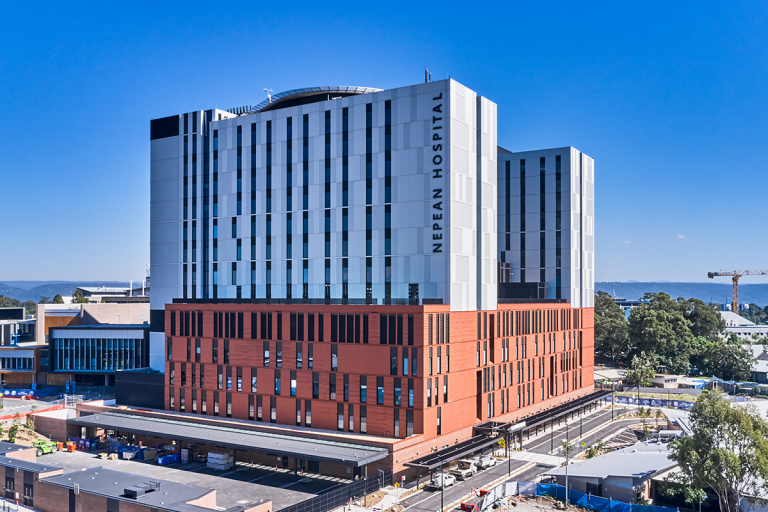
x: 735, y: 275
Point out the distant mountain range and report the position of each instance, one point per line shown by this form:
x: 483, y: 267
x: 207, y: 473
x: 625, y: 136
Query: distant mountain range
x: 33, y: 290
x: 707, y: 292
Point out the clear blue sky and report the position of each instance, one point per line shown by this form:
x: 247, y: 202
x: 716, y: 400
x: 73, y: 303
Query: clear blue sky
x: 669, y: 98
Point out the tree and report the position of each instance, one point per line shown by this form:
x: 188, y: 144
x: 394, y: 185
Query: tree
x: 705, y: 318
x: 77, y: 297
x: 727, y: 451
x: 725, y: 358
x: 611, y: 340
x: 642, y: 370
x: 58, y: 299
x: 661, y: 327
x: 12, y: 433
x: 44, y: 300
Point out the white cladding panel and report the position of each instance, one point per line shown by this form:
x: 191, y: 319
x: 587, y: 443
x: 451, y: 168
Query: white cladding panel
x: 434, y: 142
x: 572, y: 217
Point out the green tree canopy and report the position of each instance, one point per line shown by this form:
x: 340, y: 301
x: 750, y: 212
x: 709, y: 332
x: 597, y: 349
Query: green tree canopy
x: 661, y: 327
x: 727, y: 358
x: 58, y: 299
x: 611, y: 335
x: 727, y: 452
x: 642, y: 370
x: 77, y: 297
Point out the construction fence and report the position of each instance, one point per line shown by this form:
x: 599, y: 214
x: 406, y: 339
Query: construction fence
x: 576, y: 498
x: 343, y: 494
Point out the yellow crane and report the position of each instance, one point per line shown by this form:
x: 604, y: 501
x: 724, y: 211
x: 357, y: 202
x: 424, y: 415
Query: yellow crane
x: 735, y: 275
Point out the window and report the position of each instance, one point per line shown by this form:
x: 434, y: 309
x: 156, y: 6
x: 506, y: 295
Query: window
x: 315, y: 385
x: 253, y: 380
x: 307, y: 413
x: 310, y: 356
x: 346, y: 388
x: 220, y: 377
x: 439, y: 422
x: 293, y: 382
x: 272, y: 408
x: 340, y: 417
x: 397, y: 392
x: 445, y: 388
x: 363, y: 419
x: 351, y: 416
x: 410, y: 392
x: 299, y: 356
x: 277, y: 382
x: 215, y: 403
x: 334, y: 357
x: 279, y: 353
x: 298, y: 412
x: 429, y: 392
x: 408, y: 423
x: 332, y: 386
x: 414, y: 362
x: 266, y: 354
x: 393, y: 361
x: 239, y: 378
x: 229, y: 378
x: 363, y: 389
x: 380, y: 390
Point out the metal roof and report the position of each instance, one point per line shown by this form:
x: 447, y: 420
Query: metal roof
x: 456, y: 451
x: 240, y: 439
x: 25, y: 465
x: 637, y: 461
x: 107, y: 482
x: 543, y: 416
x: 310, y: 91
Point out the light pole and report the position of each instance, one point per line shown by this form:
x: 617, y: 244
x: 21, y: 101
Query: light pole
x: 442, y: 485
x: 565, y: 444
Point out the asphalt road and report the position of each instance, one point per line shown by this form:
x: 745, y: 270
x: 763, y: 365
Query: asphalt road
x: 430, y: 500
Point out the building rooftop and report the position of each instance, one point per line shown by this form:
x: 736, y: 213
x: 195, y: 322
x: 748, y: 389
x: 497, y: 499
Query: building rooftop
x: 637, y: 461
x: 113, y: 484
x: 25, y: 465
x: 308, y: 95
x: 99, y: 327
x: 242, y: 439
x: 734, y: 320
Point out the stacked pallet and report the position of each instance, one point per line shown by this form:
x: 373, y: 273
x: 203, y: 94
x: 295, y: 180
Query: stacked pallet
x: 220, y: 460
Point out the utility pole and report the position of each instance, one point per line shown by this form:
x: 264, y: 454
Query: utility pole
x: 442, y: 486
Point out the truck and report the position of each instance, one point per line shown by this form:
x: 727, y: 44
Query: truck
x: 465, y: 469
x: 485, y: 462
x: 44, y: 446
x: 442, y: 480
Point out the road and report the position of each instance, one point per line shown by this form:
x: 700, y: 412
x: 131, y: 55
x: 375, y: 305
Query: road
x: 430, y: 500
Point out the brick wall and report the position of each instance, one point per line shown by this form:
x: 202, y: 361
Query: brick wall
x: 553, y: 333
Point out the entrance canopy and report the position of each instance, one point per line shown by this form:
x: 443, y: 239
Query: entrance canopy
x: 240, y: 439
x: 543, y: 416
x: 456, y: 451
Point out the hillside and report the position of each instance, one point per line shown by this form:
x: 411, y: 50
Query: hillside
x: 707, y: 292
x: 32, y: 290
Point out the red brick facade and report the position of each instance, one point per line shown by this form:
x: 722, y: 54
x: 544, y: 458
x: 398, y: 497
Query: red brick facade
x: 462, y: 367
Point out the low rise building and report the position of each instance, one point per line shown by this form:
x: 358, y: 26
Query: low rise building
x: 623, y: 475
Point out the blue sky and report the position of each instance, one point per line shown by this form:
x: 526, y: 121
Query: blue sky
x: 669, y: 98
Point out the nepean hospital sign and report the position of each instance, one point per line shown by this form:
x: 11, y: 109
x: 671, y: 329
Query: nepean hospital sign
x: 437, y: 173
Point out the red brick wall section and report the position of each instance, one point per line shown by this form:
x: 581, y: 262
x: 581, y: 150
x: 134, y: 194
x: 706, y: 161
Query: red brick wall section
x: 53, y: 428
x: 539, y: 327
x: 52, y: 498
x: 28, y: 454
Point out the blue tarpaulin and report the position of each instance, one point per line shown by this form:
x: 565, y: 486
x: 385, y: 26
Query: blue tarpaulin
x: 594, y: 502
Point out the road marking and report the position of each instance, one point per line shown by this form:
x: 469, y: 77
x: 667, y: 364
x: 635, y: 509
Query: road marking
x: 259, y: 478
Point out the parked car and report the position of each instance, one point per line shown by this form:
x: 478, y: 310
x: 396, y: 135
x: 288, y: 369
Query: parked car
x: 465, y: 469
x: 442, y: 480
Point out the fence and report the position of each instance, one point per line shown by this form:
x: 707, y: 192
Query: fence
x: 341, y: 495
x: 579, y: 499
x: 7, y: 505
x: 576, y: 498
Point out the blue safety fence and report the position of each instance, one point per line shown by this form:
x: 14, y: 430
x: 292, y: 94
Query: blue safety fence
x: 587, y: 501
